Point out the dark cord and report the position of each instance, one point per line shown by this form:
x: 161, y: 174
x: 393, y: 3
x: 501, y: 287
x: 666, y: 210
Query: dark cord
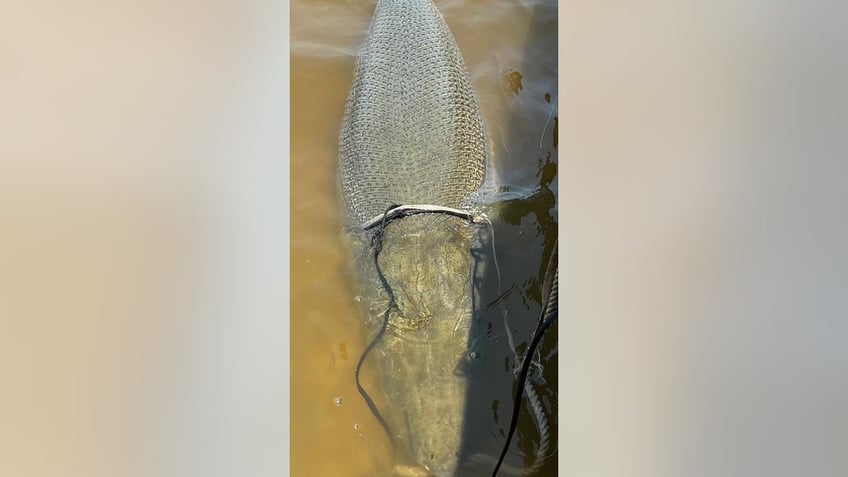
x: 377, y: 243
x: 548, y: 316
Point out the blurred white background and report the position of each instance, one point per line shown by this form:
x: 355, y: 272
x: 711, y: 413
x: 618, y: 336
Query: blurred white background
x: 703, y: 177
x: 143, y: 238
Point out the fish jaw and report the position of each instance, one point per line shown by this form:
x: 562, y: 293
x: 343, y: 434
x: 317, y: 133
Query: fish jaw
x: 427, y: 401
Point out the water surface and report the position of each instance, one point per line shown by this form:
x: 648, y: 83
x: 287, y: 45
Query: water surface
x: 510, y: 51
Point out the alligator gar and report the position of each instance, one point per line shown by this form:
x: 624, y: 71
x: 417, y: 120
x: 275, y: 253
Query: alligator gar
x: 412, y: 133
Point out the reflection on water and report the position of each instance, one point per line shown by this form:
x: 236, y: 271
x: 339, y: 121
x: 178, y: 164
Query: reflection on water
x: 510, y: 51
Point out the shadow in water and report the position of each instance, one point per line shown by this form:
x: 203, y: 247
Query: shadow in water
x: 509, y: 291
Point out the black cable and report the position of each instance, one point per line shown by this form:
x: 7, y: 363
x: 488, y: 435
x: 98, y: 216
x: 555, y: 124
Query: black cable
x: 377, y: 243
x: 548, y: 316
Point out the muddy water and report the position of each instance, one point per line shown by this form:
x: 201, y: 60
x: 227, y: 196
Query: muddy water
x: 510, y: 51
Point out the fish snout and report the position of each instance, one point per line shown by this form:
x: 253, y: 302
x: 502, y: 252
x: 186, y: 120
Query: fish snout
x: 443, y: 465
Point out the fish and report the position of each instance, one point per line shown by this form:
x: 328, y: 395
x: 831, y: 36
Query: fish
x: 412, y: 133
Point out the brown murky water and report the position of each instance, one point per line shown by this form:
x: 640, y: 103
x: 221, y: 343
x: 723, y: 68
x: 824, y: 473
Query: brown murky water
x: 510, y: 50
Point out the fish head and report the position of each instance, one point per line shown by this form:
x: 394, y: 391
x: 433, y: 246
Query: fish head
x: 426, y: 341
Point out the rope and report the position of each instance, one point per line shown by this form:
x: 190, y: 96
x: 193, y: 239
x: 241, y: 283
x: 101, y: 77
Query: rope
x: 544, y: 430
x: 401, y: 211
x: 548, y: 316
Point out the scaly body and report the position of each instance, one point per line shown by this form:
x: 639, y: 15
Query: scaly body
x: 413, y: 134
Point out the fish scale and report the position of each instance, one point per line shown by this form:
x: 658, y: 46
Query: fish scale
x: 412, y: 133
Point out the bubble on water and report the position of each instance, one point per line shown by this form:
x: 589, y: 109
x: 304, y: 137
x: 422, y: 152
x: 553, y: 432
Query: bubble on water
x: 338, y: 401
x: 474, y: 355
x: 357, y: 298
x: 355, y: 426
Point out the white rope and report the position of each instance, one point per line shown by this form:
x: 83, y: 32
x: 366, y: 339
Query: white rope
x: 408, y: 210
